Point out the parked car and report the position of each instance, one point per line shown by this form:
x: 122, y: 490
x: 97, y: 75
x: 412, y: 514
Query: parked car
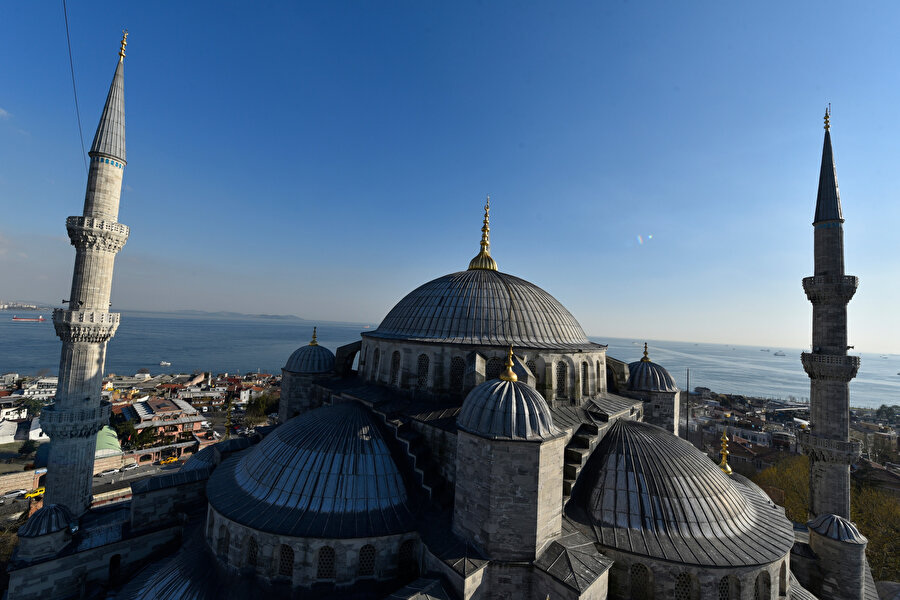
x: 168, y: 461
x: 36, y: 493
x: 105, y: 472
x: 14, y: 494
x: 130, y: 467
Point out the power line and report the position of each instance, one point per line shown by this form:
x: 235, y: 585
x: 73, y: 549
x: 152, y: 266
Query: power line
x: 74, y: 91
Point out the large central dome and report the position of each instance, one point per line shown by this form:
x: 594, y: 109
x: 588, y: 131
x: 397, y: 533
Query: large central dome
x: 486, y: 308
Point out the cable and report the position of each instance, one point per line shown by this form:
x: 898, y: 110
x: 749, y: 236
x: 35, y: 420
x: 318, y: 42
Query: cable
x: 74, y: 92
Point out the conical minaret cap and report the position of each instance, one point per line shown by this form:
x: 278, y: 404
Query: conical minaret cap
x: 109, y: 140
x: 828, y: 200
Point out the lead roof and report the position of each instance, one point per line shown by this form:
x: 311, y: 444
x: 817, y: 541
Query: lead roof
x: 507, y: 410
x: 110, y: 137
x: 828, y: 200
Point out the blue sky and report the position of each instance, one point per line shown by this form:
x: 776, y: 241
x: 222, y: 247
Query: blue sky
x: 325, y: 159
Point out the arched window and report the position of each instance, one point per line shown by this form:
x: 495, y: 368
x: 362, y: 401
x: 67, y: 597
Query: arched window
x: 562, y: 380
x: 406, y: 559
x: 782, y: 579
x: 395, y: 369
x: 457, y: 374
x: 533, y: 368
x: 375, y: 358
x: 762, y: 588
x: 729, y: 588
x: 209, y: 527
x: 493, y: 368
x: 585, y: 380
x: 326, y: 568
x: 422, y: 371
x: 367, y: 561
x: 286, y: 561
x: 641, y: 581
x: 686, y: 587
x: 252, y: 552
x: 224, y: 541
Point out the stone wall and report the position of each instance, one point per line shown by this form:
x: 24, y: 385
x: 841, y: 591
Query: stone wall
x: 475, y: 586
x: 20, y: 480
x: 150, y: 508
x: 442, y: 445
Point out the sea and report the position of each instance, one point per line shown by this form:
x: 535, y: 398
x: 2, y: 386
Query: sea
x: 233, y: 343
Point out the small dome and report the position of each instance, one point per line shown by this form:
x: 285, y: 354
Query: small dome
x: 310, y: 359
x: 49, y: 519
x: 509, y: 410
x: 837, y: 528
x: 650, y: 493
x: 647, y: 376
x: 326, y: 474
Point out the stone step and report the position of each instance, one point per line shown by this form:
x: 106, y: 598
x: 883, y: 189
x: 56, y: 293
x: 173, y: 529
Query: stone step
x: 577, y: 455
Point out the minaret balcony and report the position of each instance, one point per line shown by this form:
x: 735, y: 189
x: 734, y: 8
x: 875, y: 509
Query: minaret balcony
x: 828, y: 450
x: 832, y: 367
x: 96, y: 234
x: 81, y: 422
x: 93, y: 326
x: 830, y: 289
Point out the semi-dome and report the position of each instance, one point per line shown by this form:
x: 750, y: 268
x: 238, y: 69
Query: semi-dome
x: 650, y: 493
x: 48, y: 519
x: 327, y: 474
x: 837, y: 528
x: 646, y: 376
x: 310, y: 359
x: 506, y: 409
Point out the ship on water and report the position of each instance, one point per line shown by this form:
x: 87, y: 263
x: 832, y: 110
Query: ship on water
x: 40, y: 319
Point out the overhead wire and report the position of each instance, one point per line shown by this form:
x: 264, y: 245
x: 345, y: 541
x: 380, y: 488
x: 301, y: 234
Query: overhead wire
x: 74, y: 90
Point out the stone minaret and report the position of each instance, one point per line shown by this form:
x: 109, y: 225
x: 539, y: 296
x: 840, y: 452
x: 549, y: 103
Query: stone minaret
x: 829, y: 368
x: 78, y: 412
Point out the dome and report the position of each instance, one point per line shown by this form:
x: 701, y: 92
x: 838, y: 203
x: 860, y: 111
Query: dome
x: 327, y: 473
x: 647, y: 376
x: 509, y: 410
x: 483, y: 307
x: 650, y: 493
x: 837, y: 528
x: 310, y: 359
x: 48, y: 519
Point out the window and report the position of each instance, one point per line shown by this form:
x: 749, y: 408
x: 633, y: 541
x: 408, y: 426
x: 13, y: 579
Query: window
x: 782, y: 579
x: 585, y: 380
x: 209, y: 528
x: 457, y: 374
x: 762, y: 588
x: 286, y: 561
x: 252, y: 552
x: 406, y: 559
x: 729, y: 588
x: 224, y: 541
x: 562, y: 380
x: 686, y: 587
x: 375, y: 358
x: 422, y: 371
x: 326, y: 569
x: 493, y: 368
x: 641, y: 583
x: 367, y: 561
x: 395, y: 369
x: 533, y: 368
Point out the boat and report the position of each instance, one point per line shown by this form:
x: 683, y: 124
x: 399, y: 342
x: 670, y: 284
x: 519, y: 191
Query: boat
x: 40, y: 319
x: 779, y: 353
x: 764, y: 350
x: 164, y: 363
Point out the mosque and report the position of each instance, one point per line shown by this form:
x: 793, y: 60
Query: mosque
x: 475, y: 445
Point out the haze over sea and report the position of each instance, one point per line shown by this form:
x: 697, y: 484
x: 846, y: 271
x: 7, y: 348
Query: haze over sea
x: 242, y: 343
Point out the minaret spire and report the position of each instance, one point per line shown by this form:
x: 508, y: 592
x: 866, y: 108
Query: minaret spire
x: 85, y: 326
x: 723, y: 464
x: 483, y: 259
x: 830, y: 369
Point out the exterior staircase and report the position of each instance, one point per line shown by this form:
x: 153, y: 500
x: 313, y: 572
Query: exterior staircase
x: 577, y: 452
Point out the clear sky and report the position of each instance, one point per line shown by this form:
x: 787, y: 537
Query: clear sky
x: 653, y: 165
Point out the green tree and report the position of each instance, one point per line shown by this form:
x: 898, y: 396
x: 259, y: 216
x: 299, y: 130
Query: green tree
x: 27, y: 447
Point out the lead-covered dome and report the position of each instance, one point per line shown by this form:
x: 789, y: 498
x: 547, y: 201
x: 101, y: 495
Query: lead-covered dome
x: 509, y: 410
x: 311, y: 359
x: 48, y: 519
x: 646, y: 376
x: 650, y: 493
x: 327, y: 474
x: 486, y: 308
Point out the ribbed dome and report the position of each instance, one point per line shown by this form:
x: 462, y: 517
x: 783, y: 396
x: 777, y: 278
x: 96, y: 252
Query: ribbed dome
x: 483, y: 307
x: 509, y: 410
x: 837, y: 528
x: 48, y: 519
x: 651, y: 493
x: 310, y: 359
x: 647, y: 376
x: 327, y: 473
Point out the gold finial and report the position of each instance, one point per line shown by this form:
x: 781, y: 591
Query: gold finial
x: 314, y: 342
x: 646, y: 355
x: 484, y: 260
x: 509, y: 374
x: 124, y: 43
x: 828, y: 117
x: 724, y: 464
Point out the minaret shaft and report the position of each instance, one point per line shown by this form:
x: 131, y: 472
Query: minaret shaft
x: 78, y: 412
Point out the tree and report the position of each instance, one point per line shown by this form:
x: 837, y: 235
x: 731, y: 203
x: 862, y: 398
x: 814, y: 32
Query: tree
x: 33, y: 407
x: 27, y: 447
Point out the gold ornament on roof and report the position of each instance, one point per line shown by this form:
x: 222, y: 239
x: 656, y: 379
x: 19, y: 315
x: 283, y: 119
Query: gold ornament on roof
x: 646, y: 357
x: 124, y: 43
x: 724, y: 463
x: 509, y: 374
x: 314, y: 342
x: 828, y: 117
x: 483, y: 260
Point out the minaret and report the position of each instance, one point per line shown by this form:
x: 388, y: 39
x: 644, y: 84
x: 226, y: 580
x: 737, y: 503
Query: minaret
x: 829, y: 368
x: 78, y: 413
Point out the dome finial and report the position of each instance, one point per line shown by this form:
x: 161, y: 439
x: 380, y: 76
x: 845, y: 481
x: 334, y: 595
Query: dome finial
x: 828, y: 117
x: 509, y: 374
x: 483, y: 260
x: 646, y: 355
x: 314, y: 342
x: 124, y: 43
x: 726, y: 468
